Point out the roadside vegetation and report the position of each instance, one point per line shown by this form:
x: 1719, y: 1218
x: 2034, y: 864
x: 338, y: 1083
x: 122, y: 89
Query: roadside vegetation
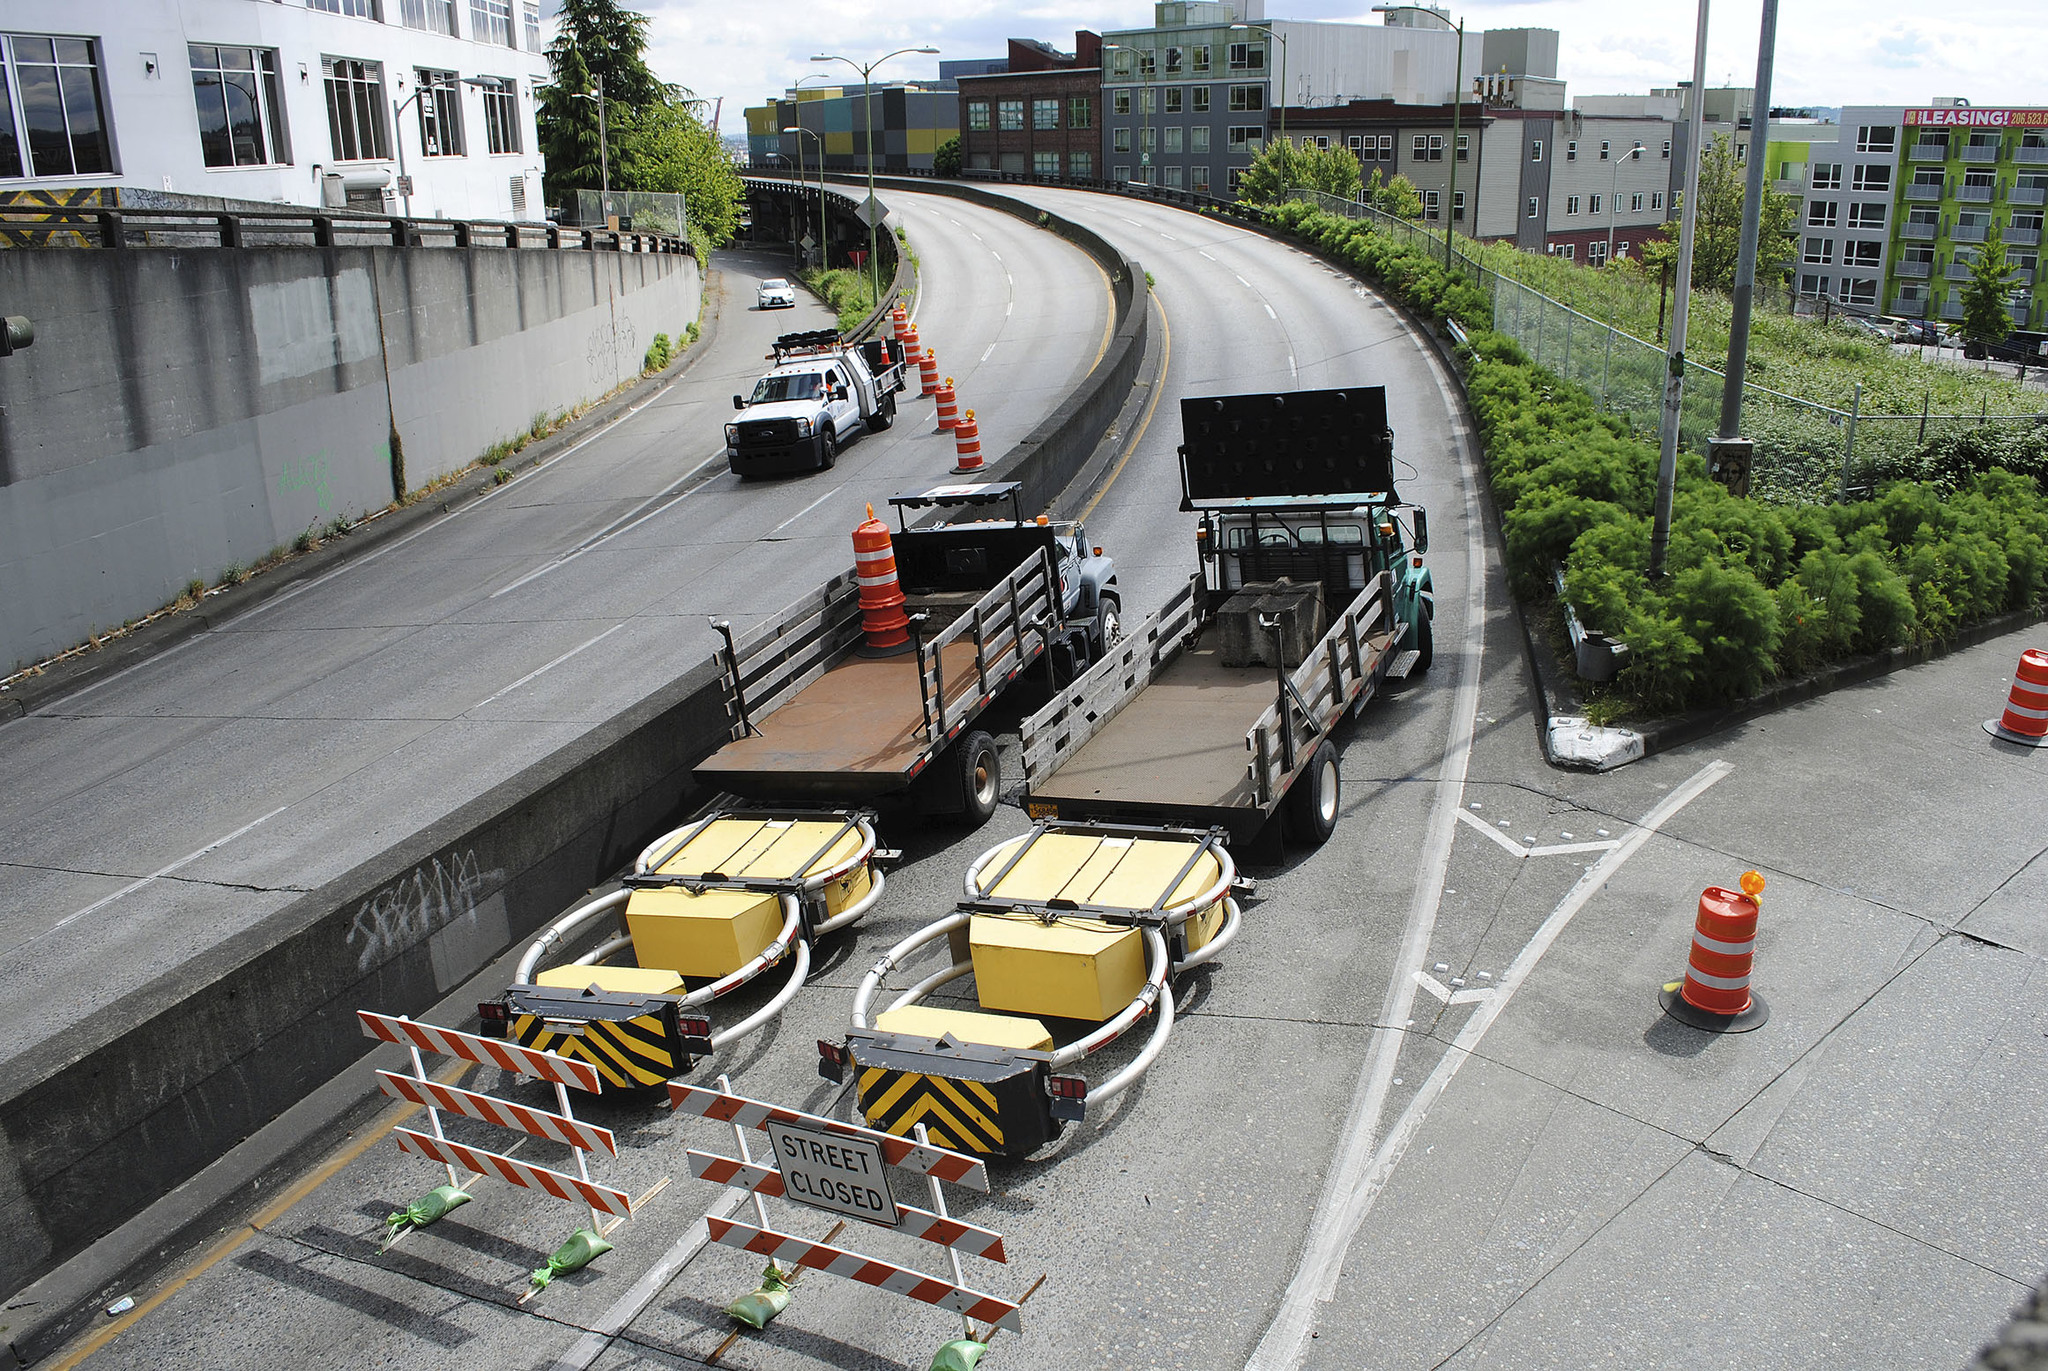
x: 1754, y: 592
x: 846, y: 291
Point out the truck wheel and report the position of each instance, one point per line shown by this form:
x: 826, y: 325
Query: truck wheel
x: 1312, y: 804
x: 981, y: 777
x: 828, y: 450
x: 884, y: 416
x: 1109, y: 622
x: 1425, y: 645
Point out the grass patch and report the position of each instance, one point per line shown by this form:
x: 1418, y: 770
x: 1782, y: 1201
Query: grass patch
x: 845, y: 291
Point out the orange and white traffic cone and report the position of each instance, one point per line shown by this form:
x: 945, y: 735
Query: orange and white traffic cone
x: 967, y: 441
x: 1715, y: 994
x: 947, y: 402
x: 928, y: 372
x: 881, y: 596
x: 2025, y: 720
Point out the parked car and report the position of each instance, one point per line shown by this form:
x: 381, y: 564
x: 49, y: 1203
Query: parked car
x: 1918, y: 331
x: 776, y: 293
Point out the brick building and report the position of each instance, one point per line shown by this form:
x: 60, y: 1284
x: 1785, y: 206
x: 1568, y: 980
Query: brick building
x: 1041, y: 117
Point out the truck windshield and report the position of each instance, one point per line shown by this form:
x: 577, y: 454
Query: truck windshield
x: 1309, y: 535
x: 805, y: 385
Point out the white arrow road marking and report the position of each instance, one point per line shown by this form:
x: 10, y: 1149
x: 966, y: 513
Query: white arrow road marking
x: 1551, y: 850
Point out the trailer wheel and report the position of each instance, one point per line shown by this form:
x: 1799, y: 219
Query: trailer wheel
x: 1425, y: 644
x: 884, y: 416
x: 828, y: 449
x: 981, y: 777
x: 1312, y: 804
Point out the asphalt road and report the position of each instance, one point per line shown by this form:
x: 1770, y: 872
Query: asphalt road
x: 1426, y: 1110
x: 151, y: 815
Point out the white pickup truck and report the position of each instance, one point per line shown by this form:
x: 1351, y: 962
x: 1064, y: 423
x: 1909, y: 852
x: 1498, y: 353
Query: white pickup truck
x: 817, y: 396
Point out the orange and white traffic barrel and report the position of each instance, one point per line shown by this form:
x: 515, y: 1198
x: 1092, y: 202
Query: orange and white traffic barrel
x: 928, y: 372
x: 947, y: 402
x: 2025, y: 720
x: 912, y: 351
x: 899, y: 319
x: 881, y: 596
x: 1716, y: 994
x: 967, y: 441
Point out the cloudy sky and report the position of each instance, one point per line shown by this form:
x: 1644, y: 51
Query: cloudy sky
x: 1830, y: 52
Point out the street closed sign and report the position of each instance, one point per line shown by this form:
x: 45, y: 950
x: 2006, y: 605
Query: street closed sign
x: 831, y: 1171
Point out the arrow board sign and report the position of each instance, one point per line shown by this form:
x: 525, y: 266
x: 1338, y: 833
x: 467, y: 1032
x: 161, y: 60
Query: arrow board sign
x: 872, y: 211
x: 826, y: 1171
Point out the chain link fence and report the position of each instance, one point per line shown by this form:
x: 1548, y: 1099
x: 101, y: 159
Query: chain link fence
x: 1806, y: 452
x: 639, y: 211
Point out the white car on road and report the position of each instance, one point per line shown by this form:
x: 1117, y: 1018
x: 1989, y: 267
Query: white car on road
x: 776, y: 293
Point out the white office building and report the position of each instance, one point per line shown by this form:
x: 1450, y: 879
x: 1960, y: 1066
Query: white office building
x: 301, y: 102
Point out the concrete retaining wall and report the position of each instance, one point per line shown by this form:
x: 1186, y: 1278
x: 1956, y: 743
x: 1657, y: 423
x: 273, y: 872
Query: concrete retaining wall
x: 183, y: 410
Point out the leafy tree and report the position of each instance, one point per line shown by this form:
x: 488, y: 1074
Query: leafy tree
x: 667, y: 147
x: 946, y: 158
x: 1984, y: 316
x: 1397, y: 196
x: 1282, y: 167
x: 613, y: 44
x: 1717, y: 235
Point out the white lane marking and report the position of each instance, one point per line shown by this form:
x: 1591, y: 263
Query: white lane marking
x: 1009, y: 280
x: 805, y: 510
x: 599, y: 541
x: 997, y: 255
x: 628, y: 1306
x: 1269, y: 310
x: 1289, y: 1331
x: 1291, y: 371
x: 542, y: 671
x: 954, y: 222
x: 1503, y: 839
x: 1205, y: 256
x: 1128, y: 220
x: 1550, y: 850
x: 1559, y: 849
x: 991, y: 348
x: 1319, y: 1284
x: 159, y: 873
x: 1433, y: 986
x: 1241, y: 281
x: 1008, y: 305
x: 1167, y: 236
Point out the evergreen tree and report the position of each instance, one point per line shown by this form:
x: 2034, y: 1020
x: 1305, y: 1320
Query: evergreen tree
x: 612, y: 41
x: 1985, y: 320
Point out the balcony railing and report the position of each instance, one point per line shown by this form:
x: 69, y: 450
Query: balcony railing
x: 2027, y: 195
x: 1957, y: 271
x: 1921, y: 191
x: 1919, y: 269
x: 1981, y: 194
x: 1923, y: 232
x: 1969, y: 233
x: 2020, y: 237
x: 1907, y: 309
x: 2028, y: 153
x: 1928, y: 152
x: 1952, y: 308
x: 1980, y: 152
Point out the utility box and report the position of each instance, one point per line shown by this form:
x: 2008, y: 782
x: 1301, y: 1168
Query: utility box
x: 704, y: 936
x: 1298, y: 606
x: 1073, y: 969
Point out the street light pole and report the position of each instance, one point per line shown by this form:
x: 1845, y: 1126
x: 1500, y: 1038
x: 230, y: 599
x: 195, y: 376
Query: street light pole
x: 867, y: 100
x: 1457, y: 116
x: 1752, y: 219
x: 1274, y: 35
x: 1674, y: 376
x: 604, y: 153
x: 1634, y: 154
x: 799, y: 129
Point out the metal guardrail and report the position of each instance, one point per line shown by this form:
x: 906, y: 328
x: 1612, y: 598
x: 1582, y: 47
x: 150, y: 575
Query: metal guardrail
x: 1199, y: 201
x: 40, y: 226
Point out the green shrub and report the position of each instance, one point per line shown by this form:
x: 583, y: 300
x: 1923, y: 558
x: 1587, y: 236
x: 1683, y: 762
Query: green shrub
x: 658, y: 354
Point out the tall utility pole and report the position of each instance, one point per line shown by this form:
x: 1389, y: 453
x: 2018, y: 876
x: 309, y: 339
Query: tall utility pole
x: 867, y: 100
x: 1457, y: 109
x: 1674, y: 376
x: 1728, y: 456
x: 604, y: 153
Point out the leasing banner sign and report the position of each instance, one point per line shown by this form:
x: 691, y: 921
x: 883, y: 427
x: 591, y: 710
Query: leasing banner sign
x: 1966, y: 117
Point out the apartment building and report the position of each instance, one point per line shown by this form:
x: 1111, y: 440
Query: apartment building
x: 1038, y: 115
x: 910, y: 120
x: 403, y: 106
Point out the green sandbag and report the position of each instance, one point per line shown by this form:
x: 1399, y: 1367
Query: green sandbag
x: 583, y: 1248
x: 772, y: 1298
x: 961, y: 1354
x: 433, y: 1205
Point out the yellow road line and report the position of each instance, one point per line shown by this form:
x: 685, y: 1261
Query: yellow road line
x: 1109, y: 320
x: 1158, y: 389
x: 269, y: 1214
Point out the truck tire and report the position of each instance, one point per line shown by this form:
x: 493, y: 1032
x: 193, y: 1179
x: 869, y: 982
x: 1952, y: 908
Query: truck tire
x: 1425, y: 645
x: 828, y: 449
x: 884, y: 416
x: 981, y: 777
x: 1109, y: 623
x: 1313, y: 803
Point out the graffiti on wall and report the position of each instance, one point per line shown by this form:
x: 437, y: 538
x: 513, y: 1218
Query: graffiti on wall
x: 411, y: 909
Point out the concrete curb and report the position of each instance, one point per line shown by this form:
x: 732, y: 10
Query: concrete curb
x: 63, y: 677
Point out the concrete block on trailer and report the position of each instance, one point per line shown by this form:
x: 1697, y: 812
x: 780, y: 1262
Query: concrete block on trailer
x: 1072, y: 969
x: 1298, y: 607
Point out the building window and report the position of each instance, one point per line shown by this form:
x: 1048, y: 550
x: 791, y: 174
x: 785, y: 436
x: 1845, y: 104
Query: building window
x: 1458, y: 206
x: 1045, y: 163
x: 1010, y: 116
x: 241, y: 106
x: 1819, y: 251
x: 1247, y: 57
x: 1603, y: 149
x: 1667, y: 149
x: 1386, y: 147
x: 1198, y: 138
x: 1866, y: 216
x: 1741, y: 154
x: 1464, y: 147
x: 1121, y: 64
x: 1322, y: 142
x: 1080, y: 112
x: 1571, y: 150
x: 1198, y: 100
x: 977, y: 116
x: 1236, y: 178
x: 1873, y: 178
x: 1045, y: 114
x: 1120, y: 140
x: 490, y: 21
x: 1536, y: 150
x: 440, y: 105
x: 1244, y: 99
x: 1810, y: 284
x: 1173, y: 61
x: 1200, y: 179
x: 354, y: 9
x: 1820, y: 213
x: 431, y: 16
x: 1533, y: 210
x: 1173, y: 138
x: 530, y: 12
x: 1081, y: 164
x: 1877, y: 138
x: 1621, y: 250
x: 1357, y: 145
x: 1571, y: 204
x: 1593, y: 205
x: 1596, y: 253
x: 355, y: 109
x: 1862, y: 293
x: 1148, y: 139
x: 1826, y: 176
x: 62, y: 117
x: 1120, y: 102
x: 1198, y: 57
x: 1656, y: 199
x: 1635, y: 203
x: 1568, y: 251
x: 1246, y: 138
x: 1173, y: 99
x: 1148, y: 64
x: 1862, y: 254
x: 1120, y: 173
x: 501, y: 113
x: 1175, y: 178
x: 1431, y: 205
